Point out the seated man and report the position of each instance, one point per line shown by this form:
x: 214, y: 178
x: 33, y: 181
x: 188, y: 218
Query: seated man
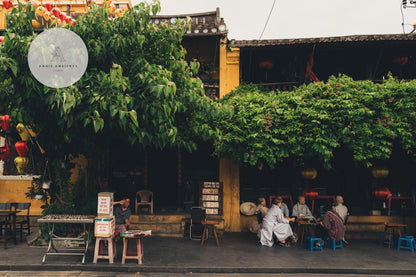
x: 275, y: 224
x: 342, y: 211
x: 122, y: 213
x: 300, y: 210
x: 285, y: 209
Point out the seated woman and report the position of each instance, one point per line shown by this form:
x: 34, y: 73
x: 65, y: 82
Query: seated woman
x: 275, y: 224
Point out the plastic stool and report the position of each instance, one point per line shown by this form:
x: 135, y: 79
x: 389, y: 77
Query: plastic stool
x: 100, y: 254
x: 410, y: 243
x: 310, y: 243
x: 333, y: 244
x: 389, y: 240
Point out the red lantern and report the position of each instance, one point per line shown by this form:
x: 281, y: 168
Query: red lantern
x: 56, y: 12
x: 382, y: 193
x: 21, y: 148
x: 7, y: 4
x: 266, y: 64
x: 5, y: 122
x: 310, y: 194
x: 49, y: 6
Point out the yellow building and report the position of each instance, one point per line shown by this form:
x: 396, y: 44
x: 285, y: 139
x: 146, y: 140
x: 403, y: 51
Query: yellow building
x: 71, y: 8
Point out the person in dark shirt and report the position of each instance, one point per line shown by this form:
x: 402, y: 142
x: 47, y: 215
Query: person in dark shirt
x: 122, y: 213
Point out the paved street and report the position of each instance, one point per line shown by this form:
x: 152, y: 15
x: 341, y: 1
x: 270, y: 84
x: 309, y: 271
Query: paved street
x: 238, y: 254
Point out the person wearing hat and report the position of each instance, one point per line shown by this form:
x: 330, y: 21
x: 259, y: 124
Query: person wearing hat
x: 274, y: 224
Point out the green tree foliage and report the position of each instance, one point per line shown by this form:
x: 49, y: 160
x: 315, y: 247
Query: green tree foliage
x: 137, y: 86
x: 315, y: 119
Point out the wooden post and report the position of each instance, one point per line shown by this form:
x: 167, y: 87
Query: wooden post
x: 230, y: 176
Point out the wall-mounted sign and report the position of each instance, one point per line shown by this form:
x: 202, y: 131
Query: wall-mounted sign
x: 58, y: 58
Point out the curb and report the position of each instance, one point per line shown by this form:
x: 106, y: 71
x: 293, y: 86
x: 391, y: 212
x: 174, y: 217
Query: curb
x: 171, y: 269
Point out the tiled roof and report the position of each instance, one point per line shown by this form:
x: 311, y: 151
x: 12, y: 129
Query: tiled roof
x: 203, y: 24
x: 323, y: 40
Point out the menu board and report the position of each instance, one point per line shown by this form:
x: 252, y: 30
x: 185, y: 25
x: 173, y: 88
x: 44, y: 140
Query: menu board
x: 211, y: 197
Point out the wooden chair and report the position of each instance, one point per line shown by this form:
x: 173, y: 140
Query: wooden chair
x: 146, y: 199
x: 24, y: 223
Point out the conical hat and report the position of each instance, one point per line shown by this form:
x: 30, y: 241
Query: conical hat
x: 247, y: 208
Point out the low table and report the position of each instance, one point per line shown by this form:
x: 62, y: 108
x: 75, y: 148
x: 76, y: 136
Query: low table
x: 305, y: 226
x: 392, y: 228
x: 134, y: 235
x: 85, y: 220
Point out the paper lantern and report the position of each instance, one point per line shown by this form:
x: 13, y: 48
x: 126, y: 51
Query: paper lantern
x: 5, y: 122
x: 49, y: 6
x: 21, y: 148
x: 382, y: 193
x: 266, y: 64
x: 21, y: 164
x: 310, y: 194
x: 23, y: 133
x: 379, y: 172
x: 309, y: 173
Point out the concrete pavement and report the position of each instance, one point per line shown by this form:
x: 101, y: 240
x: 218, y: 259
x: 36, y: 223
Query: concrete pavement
x: 238, y: 253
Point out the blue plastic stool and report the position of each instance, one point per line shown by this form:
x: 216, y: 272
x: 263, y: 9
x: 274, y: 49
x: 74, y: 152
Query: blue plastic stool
x: 310, y: 243
x: 409, y: 243
x: 390, y: 239
x: 333, y: 244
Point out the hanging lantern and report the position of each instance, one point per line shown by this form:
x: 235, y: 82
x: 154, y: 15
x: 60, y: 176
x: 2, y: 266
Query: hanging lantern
x: 379, y: 172
x: 7, y: 4
x: 5, y: 122
x: 56, y: 12
x: 47, y: 15
x: 112, y: 8
x: 35, y: 24
x: 266, y: 64
x: 310, y: 194
x: 23, y: 133
x: 40, y: 11
x: 382, y: 193
x: 49, y: 6
x: 309, y: 173
x: 21, y: 164
x: 46, y: 184
x: 21, y: 148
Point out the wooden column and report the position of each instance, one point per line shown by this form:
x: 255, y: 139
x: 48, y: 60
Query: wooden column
x: 230, y: 177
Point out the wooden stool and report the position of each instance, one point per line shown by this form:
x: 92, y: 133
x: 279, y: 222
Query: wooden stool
x: 392, y: 228
x: 100, y: 254
x: 132, y: 254
x: 210, y: 223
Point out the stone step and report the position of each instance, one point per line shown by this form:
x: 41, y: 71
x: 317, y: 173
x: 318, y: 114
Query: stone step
x: 158, y: 218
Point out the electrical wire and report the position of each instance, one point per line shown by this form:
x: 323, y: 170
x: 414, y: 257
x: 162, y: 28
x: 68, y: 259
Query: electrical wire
x: 267, y: 21
x: 401, y: 9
